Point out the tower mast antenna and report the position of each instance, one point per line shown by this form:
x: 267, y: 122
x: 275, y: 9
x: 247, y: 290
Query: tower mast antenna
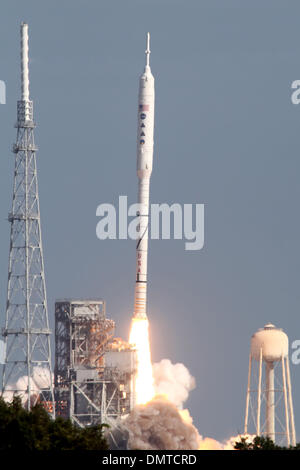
x: 27, y: 368
x: 24, y: 63
x: 147, y: 51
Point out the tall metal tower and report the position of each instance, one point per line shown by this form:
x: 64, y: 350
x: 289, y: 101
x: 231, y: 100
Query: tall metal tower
x: 269, y: 404
x: 27, y: 369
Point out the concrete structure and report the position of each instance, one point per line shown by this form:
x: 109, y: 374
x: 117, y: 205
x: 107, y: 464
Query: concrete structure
x: 94, y: 371
x: 269, y: 395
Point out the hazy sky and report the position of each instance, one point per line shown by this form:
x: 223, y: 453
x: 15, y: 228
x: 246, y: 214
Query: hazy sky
x: 226, y: 135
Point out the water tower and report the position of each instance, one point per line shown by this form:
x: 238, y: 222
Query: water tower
x: 269, y: 405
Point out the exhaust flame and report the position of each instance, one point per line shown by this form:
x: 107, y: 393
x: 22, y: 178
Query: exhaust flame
x: 144, y: 384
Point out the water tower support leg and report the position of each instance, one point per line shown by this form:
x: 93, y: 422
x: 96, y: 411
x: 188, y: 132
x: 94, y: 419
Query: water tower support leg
x: 259, y: 395
x: 287, y: 426
x: 270, y: 402
x: 248, y: 395
x: 290, y: 402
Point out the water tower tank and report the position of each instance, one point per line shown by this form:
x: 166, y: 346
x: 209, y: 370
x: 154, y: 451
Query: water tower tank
x: 269, y: 390
x: 273, y: 342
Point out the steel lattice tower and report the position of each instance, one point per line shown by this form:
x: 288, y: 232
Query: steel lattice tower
x: 27, y: 370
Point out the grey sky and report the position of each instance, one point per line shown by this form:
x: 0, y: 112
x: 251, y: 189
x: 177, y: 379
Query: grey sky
x: 226, y: 135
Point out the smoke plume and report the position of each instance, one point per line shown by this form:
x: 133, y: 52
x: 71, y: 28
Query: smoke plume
x: 40, y: 379
x: 159, y: 425
x: 162, y: 424
x: 173, y: 381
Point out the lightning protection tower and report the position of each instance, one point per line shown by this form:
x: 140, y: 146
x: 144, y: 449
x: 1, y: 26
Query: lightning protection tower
x: 27, y: 369
x: 269, y: 405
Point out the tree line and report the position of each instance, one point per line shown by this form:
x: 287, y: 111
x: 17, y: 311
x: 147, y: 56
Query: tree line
x: 22, y: 430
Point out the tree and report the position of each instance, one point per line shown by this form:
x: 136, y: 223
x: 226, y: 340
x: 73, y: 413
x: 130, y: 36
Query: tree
x: 35, y: 430
x: 261, y: 443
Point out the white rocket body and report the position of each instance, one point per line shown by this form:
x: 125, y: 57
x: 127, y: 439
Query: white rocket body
x: 145, y: 132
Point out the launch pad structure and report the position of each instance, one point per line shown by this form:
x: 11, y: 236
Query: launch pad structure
x: 94, y: 371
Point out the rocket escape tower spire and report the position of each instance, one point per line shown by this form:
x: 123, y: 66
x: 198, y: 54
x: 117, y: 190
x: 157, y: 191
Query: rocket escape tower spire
x: 27, y: 368
x: 147, y: 51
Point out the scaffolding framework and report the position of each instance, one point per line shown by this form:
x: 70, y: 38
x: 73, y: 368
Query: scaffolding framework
x: 93, y: 379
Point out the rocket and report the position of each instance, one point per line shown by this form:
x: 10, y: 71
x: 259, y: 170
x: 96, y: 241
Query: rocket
x: 145, y: 132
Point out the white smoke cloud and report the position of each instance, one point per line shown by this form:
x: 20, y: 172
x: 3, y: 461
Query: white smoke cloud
x: 40, y: 379
x: 173, y: 381
x: 162, y: 423
x: 208, y: 443
x: 8, y: 394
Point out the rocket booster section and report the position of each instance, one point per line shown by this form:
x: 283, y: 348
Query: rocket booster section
x: 145, y: 133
